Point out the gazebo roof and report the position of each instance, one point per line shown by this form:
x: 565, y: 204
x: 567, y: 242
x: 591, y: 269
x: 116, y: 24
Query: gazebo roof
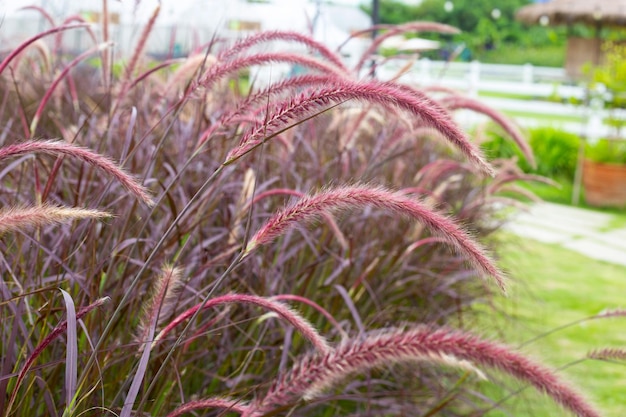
x: 591, y: 12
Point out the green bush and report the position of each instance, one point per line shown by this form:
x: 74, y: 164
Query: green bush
x: 556, y: 151
x: 500, y: 146
x: 544, y: 55
x: 607, y: 151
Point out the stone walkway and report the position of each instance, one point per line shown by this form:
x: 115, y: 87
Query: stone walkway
x: 585, y: 231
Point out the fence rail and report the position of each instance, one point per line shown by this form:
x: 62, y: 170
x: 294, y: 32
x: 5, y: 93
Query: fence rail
x: 536, y: 95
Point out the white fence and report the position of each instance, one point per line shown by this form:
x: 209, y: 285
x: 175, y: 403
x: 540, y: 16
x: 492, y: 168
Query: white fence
x: 547, y: 92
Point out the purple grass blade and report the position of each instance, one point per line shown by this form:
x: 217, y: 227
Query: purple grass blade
x: 41, y: 11
x: 71, y: 353
x: 56, y: 332
x: 59, y: 78
x: 15, y: 52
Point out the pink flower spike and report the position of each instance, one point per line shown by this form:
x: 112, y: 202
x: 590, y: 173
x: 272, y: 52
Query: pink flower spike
x: 16, y: 218
x: 405, y: 28
x: 279, y: 35
x: 291, y: 316
x: 309, y: 208
x: 221, y: 403
x: 373, y: 92
x: 315, y: 373
x: 63, y: 148
x: 217, y: 72
x: 460, y: 102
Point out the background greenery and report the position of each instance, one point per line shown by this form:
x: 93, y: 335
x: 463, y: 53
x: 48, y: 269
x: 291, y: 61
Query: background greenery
x: 487, y: 35
x: 549, y: 281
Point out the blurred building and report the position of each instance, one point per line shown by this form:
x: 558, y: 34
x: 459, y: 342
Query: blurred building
x: 185, y: 25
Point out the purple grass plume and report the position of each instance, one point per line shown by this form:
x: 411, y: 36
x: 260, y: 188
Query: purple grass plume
x: 310, y: 103
x: 161, y: 302
x: 309, y: 208
x: 456, y: 102
x: 218, y: 71
x: 315, y: 373
x: 63, y: 148
x: 224, y: 404
x: 289, y: 36
x: 261, y: 97
x: 399, y: 29
x: 17, y: 218
x: 291, y: 316
x: 608, y: 354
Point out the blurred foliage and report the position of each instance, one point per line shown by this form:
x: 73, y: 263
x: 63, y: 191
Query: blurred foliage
x: 607, y: 151
x: 556, y: 151
x: 613, y: 74
x: 489, y: 29
x: 545, y: 56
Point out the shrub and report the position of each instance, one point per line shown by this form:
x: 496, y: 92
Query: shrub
x: 556, y: 151
x: 186, y: 269
x: 607, y: 151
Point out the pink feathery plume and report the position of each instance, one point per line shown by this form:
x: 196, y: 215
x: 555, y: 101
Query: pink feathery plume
x: 261, y: 98
x: 15, y: 218
x: 221, y: 403
x: 63, y: 148
x: 286, y: 313
x: 396, y: 30
x: 279, y: 35
x: 460, y: 102
x: 315, y: 373
x: 161, y: 302
x: 312, y: 102
x: 219, y: 71
x: 309, y: 208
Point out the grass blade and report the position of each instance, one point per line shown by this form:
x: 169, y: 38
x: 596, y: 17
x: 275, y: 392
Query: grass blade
x: 71, y: 353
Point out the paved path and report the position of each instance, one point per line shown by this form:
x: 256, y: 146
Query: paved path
x: 588, y: 232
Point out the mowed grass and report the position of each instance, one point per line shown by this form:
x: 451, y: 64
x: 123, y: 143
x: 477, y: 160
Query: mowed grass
x: 553, y: 287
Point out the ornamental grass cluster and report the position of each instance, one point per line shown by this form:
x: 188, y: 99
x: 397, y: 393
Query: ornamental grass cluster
x: 175, y: 241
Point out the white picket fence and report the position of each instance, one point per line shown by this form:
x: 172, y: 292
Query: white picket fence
x: 551, y: 87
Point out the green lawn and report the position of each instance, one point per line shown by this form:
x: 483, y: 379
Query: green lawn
x: 509, y: 95
x: 552, y: 287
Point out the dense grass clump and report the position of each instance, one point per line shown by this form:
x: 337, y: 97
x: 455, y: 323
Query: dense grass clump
x: 338, y: 195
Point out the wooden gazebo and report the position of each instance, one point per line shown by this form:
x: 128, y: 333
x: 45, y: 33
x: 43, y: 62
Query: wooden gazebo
x: 595, y: 13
